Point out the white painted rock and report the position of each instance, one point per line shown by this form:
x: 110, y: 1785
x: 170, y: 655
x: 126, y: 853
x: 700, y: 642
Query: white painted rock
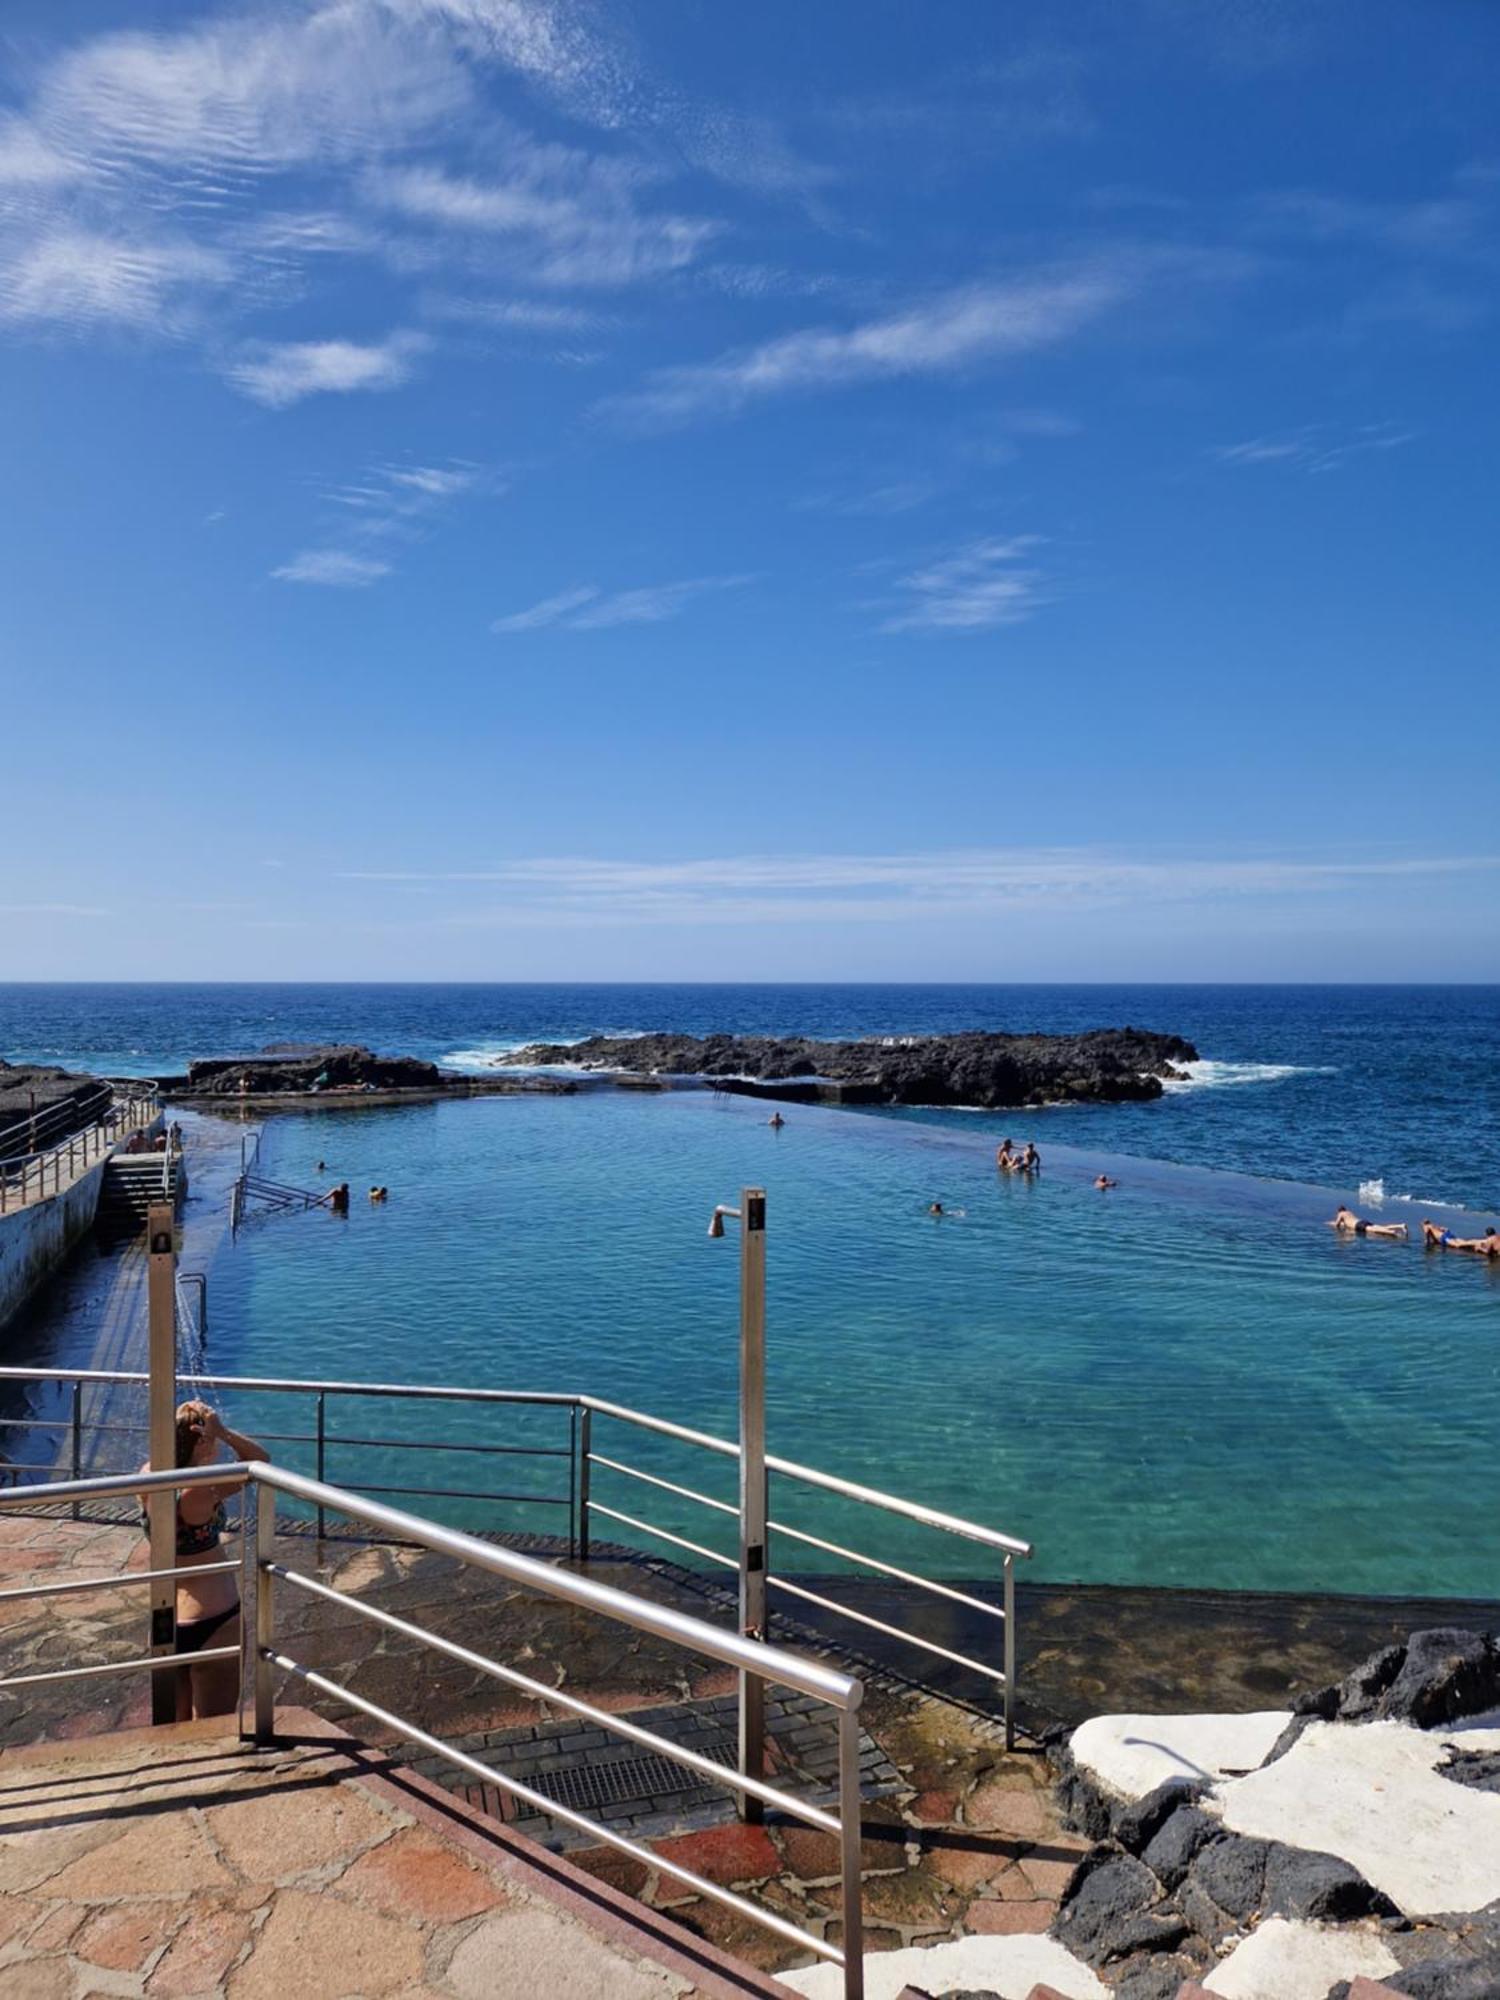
x: 1132, y: 1754
x: 1009, y: 1966
x: 1296, y: 1961
x: 1369, y: 1792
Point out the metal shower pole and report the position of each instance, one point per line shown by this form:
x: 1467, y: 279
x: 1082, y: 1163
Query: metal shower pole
x: 751, y: 1216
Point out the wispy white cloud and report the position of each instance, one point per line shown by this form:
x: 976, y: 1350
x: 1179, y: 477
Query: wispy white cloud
x: 385, y: 503
x: 586, y: 608
x: 986, y: 583
x: 340, y: 569
x: 1445, y: 225
x: 143, y: 165
x: 955, y: 330
x: 279, y: 374
x: 1315, y: 447
x: 899, y: 888
x: 575, y: 217
x: 77, y: 278
x: 549, y: 611
x: 523, y: 315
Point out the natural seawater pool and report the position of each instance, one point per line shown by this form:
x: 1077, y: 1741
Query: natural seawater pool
x: 1187, y: 1381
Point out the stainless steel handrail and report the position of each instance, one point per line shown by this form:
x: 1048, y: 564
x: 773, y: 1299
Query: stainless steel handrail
x: 912, y: 1510
x: 585, y: 1409
x: 259, y: 1655
x: 24, y: 1176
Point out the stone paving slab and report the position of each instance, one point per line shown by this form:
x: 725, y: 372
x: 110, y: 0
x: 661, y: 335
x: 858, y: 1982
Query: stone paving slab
x: 182, y: 1862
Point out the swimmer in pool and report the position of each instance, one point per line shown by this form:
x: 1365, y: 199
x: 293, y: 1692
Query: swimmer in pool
x: 1487, y: 1245
x: 1347, y: 1223
x: 776, y: 1121
x: 1104, y: 1181
x: 935, y: 1208
x: 1005, y: 1156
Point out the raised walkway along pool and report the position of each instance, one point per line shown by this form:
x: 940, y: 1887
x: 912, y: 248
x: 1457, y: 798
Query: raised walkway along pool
x: 1186, y: 1381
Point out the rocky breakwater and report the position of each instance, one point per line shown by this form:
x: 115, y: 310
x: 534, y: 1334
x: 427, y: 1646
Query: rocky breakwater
x: 341, y: 1071
x: 992, y: 1071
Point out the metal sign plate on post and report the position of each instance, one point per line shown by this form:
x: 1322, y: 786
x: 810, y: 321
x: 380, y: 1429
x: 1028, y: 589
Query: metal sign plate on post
x: 753, y: 1508
x: 161, y: 1508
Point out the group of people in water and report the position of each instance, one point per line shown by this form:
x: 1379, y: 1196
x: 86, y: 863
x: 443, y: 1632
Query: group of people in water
x: 1011, y: 1161
x: 337, y: 1198
x: 1434, y: 1236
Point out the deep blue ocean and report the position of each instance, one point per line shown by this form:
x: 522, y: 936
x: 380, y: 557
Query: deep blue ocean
x: 1397, y: 1085
x: 1188, y: 1380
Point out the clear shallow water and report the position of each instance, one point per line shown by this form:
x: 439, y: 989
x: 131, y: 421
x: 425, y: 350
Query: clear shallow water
x: 1186, y: 1381
x: 1398, y: 1085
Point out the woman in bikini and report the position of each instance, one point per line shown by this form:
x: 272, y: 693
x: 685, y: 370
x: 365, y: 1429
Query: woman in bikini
x: 208, y: 1608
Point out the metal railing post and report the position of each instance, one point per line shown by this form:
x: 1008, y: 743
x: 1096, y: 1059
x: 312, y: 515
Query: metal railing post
x: 322, y: 1448
x: 1010, y: 1652
x: 753, y: 1505
x: 265, y: 1636
x: 585, y: 1449
x: 851, y: 1837
x: 76, y: 1457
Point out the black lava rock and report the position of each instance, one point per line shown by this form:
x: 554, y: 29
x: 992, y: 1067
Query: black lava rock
x: 1446, y: 1674
x: 1115, y: 1909
x: 991, y: 1070
x: 1159, y: 1976
x: 1318, y: 1886
x: 1233, y: 1872
x: 1293, y: 1730
x: 1450, y: 1978
x: 1359, y: 1694
x: 1137, y: 1825
x: 1479, y: 1769
x: 1171, y: 1851
x: 288, y: 1070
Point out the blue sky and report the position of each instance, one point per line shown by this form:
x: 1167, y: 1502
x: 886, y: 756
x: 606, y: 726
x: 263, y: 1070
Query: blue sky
x: 501, y: 489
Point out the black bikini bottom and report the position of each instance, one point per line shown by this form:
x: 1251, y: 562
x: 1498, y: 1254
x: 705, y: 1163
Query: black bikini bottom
x: 193, y: 1634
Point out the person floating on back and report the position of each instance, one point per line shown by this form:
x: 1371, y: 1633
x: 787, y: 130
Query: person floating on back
x: 1347, y: 1223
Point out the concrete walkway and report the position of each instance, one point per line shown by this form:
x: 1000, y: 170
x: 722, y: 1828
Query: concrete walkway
x: 180, y: 1862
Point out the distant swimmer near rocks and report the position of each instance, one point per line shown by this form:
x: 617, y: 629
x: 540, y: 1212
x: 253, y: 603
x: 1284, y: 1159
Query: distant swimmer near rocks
x: 1347, y: 1223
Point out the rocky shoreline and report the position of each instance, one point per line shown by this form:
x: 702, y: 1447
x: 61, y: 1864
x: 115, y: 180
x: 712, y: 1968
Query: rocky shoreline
x: 979, y: 1070
x: 983, y: 1070
x: 1177, y: 1879
x: 337, y: 1074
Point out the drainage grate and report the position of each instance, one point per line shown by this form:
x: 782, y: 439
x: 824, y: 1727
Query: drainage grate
x: 587, y: 1786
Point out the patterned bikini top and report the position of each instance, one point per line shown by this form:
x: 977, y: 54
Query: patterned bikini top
x: 194, y: 1538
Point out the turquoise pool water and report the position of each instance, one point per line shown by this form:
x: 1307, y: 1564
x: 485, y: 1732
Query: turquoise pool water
x: 1186, y: 1381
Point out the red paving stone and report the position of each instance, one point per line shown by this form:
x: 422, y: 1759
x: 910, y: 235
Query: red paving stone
x: 726, y: 1854
x: 995, y: 1919
x: 122, y: 1940
x: 200, y: 1955
x: 413, y: 1875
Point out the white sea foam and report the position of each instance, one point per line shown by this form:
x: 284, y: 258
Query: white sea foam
x: 1373, y: 1195
x: 1208, y: 1075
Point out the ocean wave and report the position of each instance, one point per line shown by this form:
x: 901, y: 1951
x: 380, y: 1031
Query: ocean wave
x: 1208, y: 1075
